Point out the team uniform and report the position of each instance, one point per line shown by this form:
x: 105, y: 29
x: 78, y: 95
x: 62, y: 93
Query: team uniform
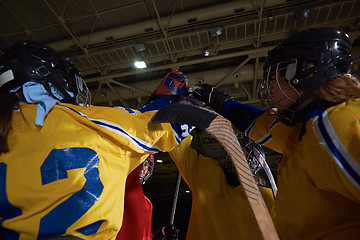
x: 68, y: 177
x: 320, y: 164
x: 219, y: 210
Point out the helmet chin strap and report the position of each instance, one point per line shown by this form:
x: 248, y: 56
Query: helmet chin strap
x: 48, y: 78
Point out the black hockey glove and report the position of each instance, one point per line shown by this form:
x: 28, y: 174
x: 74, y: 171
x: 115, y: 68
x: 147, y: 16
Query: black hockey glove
x: 167, y: 233
x: 211, y: 96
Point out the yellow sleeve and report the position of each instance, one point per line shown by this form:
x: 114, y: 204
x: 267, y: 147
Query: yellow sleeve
x: 132, y: 128
x: 262, y: 131
x: 185, y: 159
x: 272, y: 133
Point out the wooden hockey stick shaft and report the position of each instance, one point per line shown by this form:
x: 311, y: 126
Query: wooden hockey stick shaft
x: 221, y: 129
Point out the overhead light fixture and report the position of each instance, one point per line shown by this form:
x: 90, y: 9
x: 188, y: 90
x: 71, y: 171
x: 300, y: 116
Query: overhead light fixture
x: 140, y: 47
x: 304, y: 13
x: 209, y: 52
x: 270, y: 17
x: 140, y: 64
x: 216, y: 31
x: 159, y: 161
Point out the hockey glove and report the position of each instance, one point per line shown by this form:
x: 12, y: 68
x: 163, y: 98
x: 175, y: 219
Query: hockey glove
x: 211, y: 96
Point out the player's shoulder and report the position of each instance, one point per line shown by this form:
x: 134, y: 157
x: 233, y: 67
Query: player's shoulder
x: 345, y: 112
x: 103, y: 113
x: 342, y: 119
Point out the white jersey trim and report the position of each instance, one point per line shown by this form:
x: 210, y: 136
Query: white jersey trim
x: 336, y: 149
x: 116, y: 128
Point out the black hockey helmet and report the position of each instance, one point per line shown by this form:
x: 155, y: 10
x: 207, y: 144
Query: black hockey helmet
x: 306, y: 60
x: 31, y: 61
x: 327, y: 49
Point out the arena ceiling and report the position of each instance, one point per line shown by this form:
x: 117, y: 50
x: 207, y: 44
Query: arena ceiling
x: 102, y: 37
x: 105, y: 37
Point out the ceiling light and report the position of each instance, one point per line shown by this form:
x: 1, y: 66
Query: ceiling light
x: 140, y: 47
x: 159, y: 161
x: 303, y: 13
x: 270, y: 17
x: 216, y: 31
x: 140, y: 64
x: 209, y: 52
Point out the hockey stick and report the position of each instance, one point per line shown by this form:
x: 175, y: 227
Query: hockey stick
x: 176, y: 195
x: 221, y: 129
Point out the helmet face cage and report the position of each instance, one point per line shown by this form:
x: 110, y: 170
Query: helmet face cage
x: 254, y: 157
x: 146, y: 169
x: 254, y: 153
x: 271, y: 81
x: 83, y: 96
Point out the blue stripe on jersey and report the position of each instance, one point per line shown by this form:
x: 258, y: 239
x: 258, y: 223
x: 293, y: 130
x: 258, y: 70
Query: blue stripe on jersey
x: 337, y: 150
x: 119, y: 130
x: 265, y: 140
x: 249, y: 129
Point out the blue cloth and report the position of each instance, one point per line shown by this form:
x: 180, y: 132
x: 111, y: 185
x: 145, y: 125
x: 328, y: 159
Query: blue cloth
x: 36, y: 93
x: 240, y: 114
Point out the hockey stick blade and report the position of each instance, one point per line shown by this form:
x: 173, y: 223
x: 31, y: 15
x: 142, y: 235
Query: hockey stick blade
x: 185, y: 113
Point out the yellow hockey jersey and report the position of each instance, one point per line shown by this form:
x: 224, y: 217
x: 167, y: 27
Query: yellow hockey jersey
x: 319, y: 175
x: 219, y: 210
x: 68, y: 177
